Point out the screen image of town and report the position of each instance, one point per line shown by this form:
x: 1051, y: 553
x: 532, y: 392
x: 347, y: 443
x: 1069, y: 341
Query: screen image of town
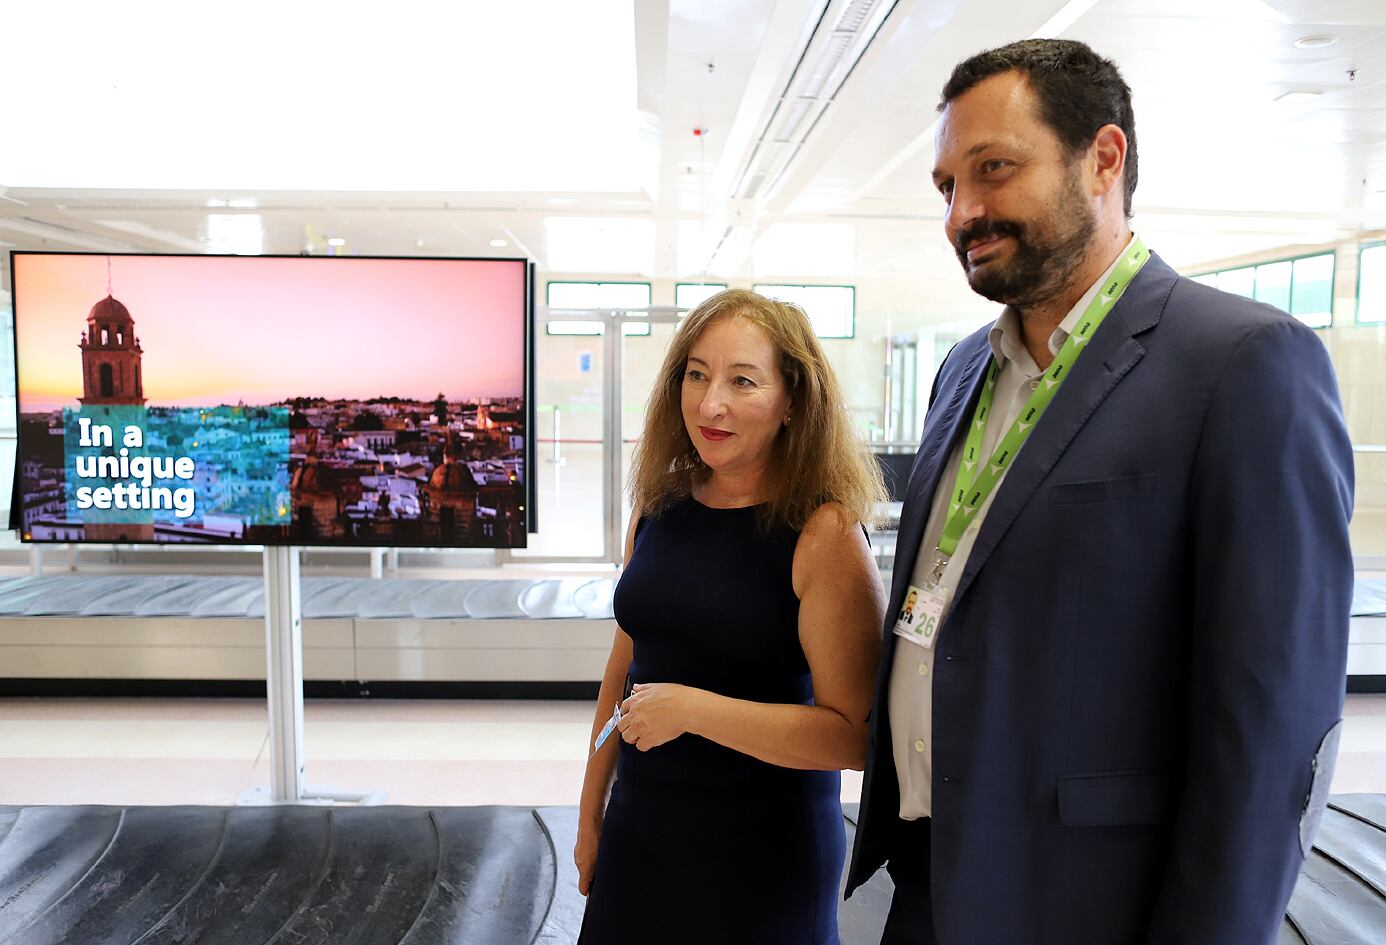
x: 271, y: 400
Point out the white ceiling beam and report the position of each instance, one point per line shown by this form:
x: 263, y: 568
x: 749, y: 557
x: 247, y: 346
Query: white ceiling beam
x: 791, y: 24
x: 155, y: 234
x: 911, y: 58
x: 65, y: 236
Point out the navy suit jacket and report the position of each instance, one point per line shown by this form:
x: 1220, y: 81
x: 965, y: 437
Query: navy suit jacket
x: 1138, y: 687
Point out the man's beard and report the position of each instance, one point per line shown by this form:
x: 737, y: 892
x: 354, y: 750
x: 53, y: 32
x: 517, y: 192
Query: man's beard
x: 1045, y: 256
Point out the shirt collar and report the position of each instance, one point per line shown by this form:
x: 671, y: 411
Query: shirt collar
x: 1008, y: 344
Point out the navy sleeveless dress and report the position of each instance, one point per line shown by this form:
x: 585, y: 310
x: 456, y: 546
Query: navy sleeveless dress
x: 702, y: 843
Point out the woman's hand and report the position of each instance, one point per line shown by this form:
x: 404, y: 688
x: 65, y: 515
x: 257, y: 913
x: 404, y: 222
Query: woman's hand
x: 656, y: 713
x: 585, y: 852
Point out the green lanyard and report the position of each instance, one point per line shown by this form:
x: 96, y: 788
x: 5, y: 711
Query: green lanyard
x: 971, y: 489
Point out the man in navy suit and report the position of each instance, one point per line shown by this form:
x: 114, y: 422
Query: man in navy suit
x: 1114, y: 717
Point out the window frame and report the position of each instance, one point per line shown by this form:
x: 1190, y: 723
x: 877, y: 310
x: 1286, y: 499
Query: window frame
x: 724, y: 286
x: 1357, y: 292
x: 625, y: 330
x: 1255, y: 266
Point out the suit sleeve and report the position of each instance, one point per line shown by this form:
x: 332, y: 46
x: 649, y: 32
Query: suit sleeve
x: 1272, y: 584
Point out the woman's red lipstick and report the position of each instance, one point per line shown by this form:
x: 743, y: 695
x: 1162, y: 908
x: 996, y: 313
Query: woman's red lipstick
x: 711, y: 433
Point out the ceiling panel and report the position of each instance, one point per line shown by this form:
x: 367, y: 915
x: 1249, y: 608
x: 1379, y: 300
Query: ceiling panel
x: 1225, y: 170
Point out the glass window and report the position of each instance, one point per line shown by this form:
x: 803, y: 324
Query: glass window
x: 1238, y: 281
x: 1273, y: 284
x: 1303, y: 287
x: 609, y: 295
x: 625, y: 295
x: 566, y: 326
x: 556, y: 326
x: 830, y: 308
x: 573, y: 294
x: 1311, y: 298
x: 688, y: 295
x: 1371, y: 285
x: 622, y: 295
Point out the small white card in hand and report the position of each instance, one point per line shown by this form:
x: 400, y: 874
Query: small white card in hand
x: 608, y: 728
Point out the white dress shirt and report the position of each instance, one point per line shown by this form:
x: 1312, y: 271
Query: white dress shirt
x: 910, y: 697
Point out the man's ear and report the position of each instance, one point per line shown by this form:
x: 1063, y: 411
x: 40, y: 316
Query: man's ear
x: 1107, y: 159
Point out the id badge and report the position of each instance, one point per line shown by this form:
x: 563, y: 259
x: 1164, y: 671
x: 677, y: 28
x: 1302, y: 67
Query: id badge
x: 918, y: 620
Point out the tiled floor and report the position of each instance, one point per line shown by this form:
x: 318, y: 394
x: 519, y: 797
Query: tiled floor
x: 183, y: 751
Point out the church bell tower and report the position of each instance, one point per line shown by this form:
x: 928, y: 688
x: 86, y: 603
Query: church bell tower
x: 111, y: 356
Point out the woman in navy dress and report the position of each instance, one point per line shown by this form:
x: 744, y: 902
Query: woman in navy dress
x: 749, y: 614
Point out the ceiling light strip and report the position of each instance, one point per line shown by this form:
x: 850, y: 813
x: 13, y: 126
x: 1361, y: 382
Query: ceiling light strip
x: 828, y: 60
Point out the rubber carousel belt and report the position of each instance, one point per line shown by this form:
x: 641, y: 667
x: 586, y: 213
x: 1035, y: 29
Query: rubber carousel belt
x: 420, y: 876
x: 243, y: 876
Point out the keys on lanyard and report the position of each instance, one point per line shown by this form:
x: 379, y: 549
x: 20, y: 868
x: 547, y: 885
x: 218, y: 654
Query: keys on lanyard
x: 612, y: 722
x: 607, y: 729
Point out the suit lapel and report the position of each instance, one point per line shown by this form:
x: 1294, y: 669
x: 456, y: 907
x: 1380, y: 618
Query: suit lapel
x: 1111, y: 354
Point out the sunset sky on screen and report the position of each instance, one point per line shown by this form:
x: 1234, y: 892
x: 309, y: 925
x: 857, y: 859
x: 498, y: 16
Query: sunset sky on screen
x: 217, y: 330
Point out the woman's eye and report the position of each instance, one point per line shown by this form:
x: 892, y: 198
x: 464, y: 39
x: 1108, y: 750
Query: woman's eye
x: 744, y: 382
x: 694, y: 375
x: 992, y: 166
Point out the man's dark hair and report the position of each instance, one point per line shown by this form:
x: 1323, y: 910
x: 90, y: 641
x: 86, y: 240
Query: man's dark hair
x: 1078, y: 92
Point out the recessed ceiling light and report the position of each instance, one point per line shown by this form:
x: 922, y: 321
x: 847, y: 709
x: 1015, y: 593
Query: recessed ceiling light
x: 336, y: 241
x: 1297, y: 98
x: 1316, y: 41
x: 499, y: 243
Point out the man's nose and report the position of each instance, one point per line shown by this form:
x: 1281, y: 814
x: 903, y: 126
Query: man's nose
x: 964, y: 208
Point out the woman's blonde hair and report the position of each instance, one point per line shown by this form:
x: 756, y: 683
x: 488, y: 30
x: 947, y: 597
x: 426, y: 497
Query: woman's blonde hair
x: 817, y: 456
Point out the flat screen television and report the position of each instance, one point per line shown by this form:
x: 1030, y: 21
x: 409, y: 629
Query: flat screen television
x: 339, y: 400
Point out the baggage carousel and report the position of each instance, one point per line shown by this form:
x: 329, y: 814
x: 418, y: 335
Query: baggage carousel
x: 196, y: 634
x: 442, y: 876
x: 488, y: 638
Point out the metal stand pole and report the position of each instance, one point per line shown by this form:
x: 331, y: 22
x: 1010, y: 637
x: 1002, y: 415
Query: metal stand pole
x: 284, y: 687
x: 283, y: 679
x: 284, y: 643
x: 612, y: 417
